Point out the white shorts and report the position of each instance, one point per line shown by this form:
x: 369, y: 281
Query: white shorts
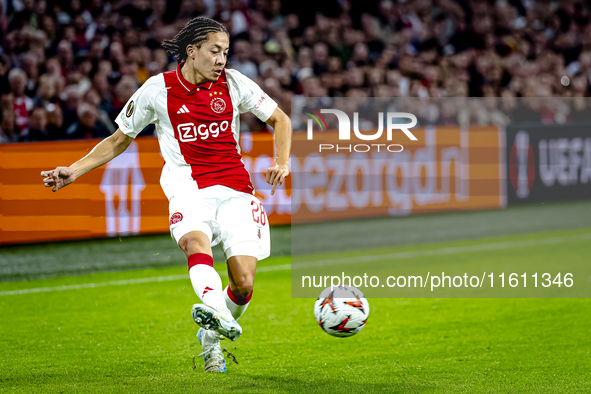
x: 236, y: 220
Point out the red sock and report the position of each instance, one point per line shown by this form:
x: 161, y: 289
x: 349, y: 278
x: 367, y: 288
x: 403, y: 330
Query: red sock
x: 200, y: 258
x: 235, y: 303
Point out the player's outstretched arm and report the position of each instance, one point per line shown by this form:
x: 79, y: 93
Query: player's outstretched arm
x: 282, y: 125
x: 102, y: 153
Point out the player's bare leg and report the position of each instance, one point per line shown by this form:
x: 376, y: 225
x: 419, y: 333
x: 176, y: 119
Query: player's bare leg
x: 195, y: 242
x: 213, y: 313
x: 241, y: 272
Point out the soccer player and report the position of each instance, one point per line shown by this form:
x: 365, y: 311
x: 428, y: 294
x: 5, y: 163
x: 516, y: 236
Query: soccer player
x: 196, y: 111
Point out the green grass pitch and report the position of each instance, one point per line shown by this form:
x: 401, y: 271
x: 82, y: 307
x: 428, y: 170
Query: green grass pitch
x: 139, y: 337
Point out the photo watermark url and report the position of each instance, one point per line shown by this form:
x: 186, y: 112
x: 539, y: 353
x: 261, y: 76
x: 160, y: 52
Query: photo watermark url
x: 442, y: 281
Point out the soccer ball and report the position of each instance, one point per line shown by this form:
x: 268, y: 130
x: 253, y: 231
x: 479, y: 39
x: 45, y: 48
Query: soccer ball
x: 341, y: 311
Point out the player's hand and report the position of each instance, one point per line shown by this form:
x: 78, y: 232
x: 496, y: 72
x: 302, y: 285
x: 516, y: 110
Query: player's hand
x: 276, y: 175
x: 58, y: 178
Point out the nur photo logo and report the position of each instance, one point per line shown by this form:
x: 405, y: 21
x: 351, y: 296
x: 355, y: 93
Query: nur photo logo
x: 391, y: 120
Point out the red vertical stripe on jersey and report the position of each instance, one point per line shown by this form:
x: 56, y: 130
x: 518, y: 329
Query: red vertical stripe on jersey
x: 204, y: 132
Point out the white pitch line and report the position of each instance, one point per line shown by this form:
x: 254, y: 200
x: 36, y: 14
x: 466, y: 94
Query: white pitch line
x: 281, y: 267
x: 321, y: 263
x: 93, y: 285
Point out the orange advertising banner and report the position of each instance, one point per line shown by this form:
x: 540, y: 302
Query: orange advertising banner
x: 121, y: 198
x: 446, y: 169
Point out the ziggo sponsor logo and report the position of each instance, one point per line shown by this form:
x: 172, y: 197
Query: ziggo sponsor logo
x: 188, y: 132
x: 345, y: 130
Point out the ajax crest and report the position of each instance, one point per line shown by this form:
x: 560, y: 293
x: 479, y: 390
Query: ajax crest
x: 218, y: 105
x: 176, y: 217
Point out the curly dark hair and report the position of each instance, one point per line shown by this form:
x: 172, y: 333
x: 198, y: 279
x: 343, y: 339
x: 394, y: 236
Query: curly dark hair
x: 195, y: 32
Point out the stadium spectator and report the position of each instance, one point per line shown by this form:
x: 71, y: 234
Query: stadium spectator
x: 240, y: 60
x: 8, y: 132
x: 124, y: 89
x: 55, y: 120
x: 4, y: 68
x: 46, y: 91
x: 71, y: 101
x: 87, y: 125
x: 31, y: 68
x: 37, y: 128
x: 22, y: 104
x: 92, y: 97
x: 320, y: 58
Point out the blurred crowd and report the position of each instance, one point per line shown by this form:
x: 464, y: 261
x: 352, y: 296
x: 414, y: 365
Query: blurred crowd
x: 68, y: 67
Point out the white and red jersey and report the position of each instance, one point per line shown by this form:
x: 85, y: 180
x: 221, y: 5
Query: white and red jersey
x: 197, y: 126
x: 22, y: 106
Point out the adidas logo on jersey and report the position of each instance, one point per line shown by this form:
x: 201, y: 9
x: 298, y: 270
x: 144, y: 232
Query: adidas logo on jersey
x: 183, y: 110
